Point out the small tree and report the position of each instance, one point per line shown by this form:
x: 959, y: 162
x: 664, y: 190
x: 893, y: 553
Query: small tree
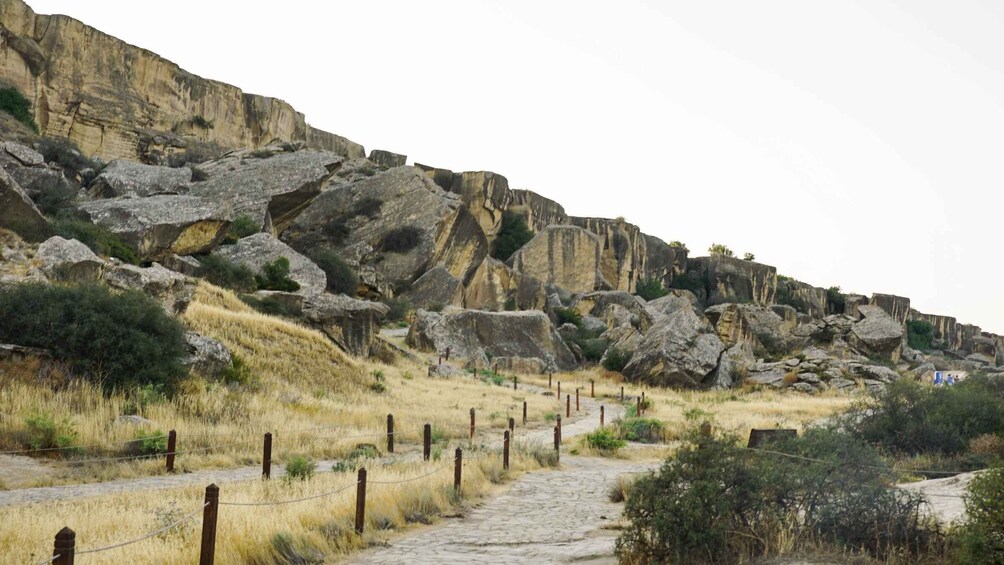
x: 513, y: 234
x: 919, y: 334
x: 275, y: 276
x: 749, y: 257
x: 650, y: 288
x: 678, y: 244
x: 982, y: 540
x: 719, y: 249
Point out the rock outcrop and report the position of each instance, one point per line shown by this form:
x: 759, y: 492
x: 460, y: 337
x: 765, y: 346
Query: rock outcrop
x: 18, y: 213
x: 480, y: 336
x: 663, y: 262
x: 387, y: 159
x: 679, y: 350
x: 565, y: 256
x: 352, y: 324
x: 538, y: 211
x: 878, y: 333
x: 127, y: 178
x: 260, y: 249
x: 945, y: 329
x: 757, y: 326
x: 115, y: 100
x: 162, y: 225
x: 205, y: 355
x: 486, y: 195
x: 168, y: 287
x: 435, y: 289
x: 495, y: 286
x: 727, y: 279
x: 69, y: 260
x: 896, y: 306
x: 803, y: 297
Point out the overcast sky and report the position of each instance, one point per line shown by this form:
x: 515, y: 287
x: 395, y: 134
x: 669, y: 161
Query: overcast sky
x: 857, y: 144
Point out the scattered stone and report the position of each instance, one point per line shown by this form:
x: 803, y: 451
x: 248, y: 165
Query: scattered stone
x: 69, y: 260
x: 170, y: 288
x: 135, y: 420
x: 842, y: 383
x: 445, y: 370
x: 18, y: 213
x: 352, y: 324
x: 206, y: 356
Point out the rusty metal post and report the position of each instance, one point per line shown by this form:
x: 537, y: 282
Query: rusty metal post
x: 568, y: 405
x: 576, y: 400
x: 557, y: 441
x: 266, y: 457
x: 524, y: 412
x: 512, y: 426
x: 207, y: 554
x: 592, y: 388
x: 172, y: 446
x: 505, y: 451
x: 427, y: 442
x: 458, y: 464
x: 390, y: 433
x: 361, y: 501
x: 601, y: 415
x: 64, y: 549
x: 472, y: 423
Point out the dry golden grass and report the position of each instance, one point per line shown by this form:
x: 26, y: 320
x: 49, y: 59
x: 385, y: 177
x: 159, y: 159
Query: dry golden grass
x: 321, y: 528
x: 734, y: 410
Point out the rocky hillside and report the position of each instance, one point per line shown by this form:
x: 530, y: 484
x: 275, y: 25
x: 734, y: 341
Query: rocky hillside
x: 304, y: 225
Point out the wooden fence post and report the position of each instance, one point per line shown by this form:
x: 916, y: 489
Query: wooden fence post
x: 592, y: 388
x: 601, y: 415
x: 390, y: 433
x: 622, y: 394
x: 557, y: 441
x: 447, y: 353
x: 427, y: 442
x: 207, y: 555
x: 549, y: 377
x: 514, y: 382
x: 361, y: 501
x: 266, y: 457
x: 64, y: 549
x: 512, y: 426
x: 457, y: 468
x: 524, y: 412
x: 568, y: 405
x: 559, y: 391
x: 440, y: 359
x: 559, y: 428
x: 472, y: 423
x: 172, y: 446
x: 576, y: 399
x: 637, y: 409
x: 505, y: 451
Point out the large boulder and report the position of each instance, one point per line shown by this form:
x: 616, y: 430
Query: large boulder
x: 733, y: 366
x: 896, y: 306
x: 680, y: 350
x: 565, y: 256
x: 727, y: 279
x: 162, y: 225
x: 24, y: 155
x: 479, y: 336
x: 435, y: 289
x: 267, y: 185
x: 757, y: 326
x: 877, y: 333
x: 360, y: 221
x: 18, y: 213
x: 387, y: 159
x: 598, y: 304
x: 486, y: 195
x: 127, y: 178
x: 667, y: 305
x: 172, y: 289
x: 352, y: 324
x: 663, y: 262
x: 205, y: 355
x: 69, y: 260
x: 260, y: 249
x: 803, y: 297
x: 495, y: 286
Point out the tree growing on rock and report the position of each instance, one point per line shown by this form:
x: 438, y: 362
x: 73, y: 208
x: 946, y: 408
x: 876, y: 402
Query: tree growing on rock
x: 749, y: 257
x: 720, y: 249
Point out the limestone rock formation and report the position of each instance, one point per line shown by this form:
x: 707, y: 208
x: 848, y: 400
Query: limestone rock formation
x: 158, y: 226
x: 851, y: 304
x: 804, y: 297
x: 352, y: 324
x: 126, y: 178
x: 680, y: 350
x: 946, y: 329
x: 565, y: 256
x: 479, y: 336
x: 170, y: 288
x: 896, y: 306
x: 260, y: 249
x: 360, y: 222
x: 663, y: 262
x: 18, y: 213
x: 387, y: 159
x: 878, y: 333
x: 667, y: 305
x: 69, y: 260
x: 486, y: 195
x: 728, y: 279
x: 262, y: 185
x: 495, y: 286
x: 599, y: 304
x: 757, y: 326
x: 115, y: 100
x: 538, y: 211
x: 435, y: 289
x: 732, y: 367
x: 206, y: 356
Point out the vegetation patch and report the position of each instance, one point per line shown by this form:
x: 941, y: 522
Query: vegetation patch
x: 400, y: 240
x: 341, y: 278
x: 221, y: 271
x: 650, y: 289
x: 513, y: 234
x: 275, y: 276
x: 15, y: 104
x: 616, y: 359
x: 919, y: 335
x: 97, y: 238
x: 243, y: 226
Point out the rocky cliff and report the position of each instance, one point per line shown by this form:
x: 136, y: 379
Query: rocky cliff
x: 115, y: 100
x: 728, y: 279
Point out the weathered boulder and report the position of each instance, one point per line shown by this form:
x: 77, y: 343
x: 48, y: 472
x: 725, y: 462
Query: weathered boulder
x: 182, y: 264
x: 851, y: 303
x: 968, y: 333
x: 352, y: 324
x: 435, y: 289
x: 495, y: 286
x: 260, y: 249
x: 69, y: 260
x: 680, y: 349
x: 728, y: 279
x: 872, y: 372
x: 757, y: 326
x: 126, y: 178
x: 623, y: 250
x: 788, y: 315
x: 170, y: 288
x: 663, y: 262
x: 392, y: 227
x: 387, y: 159
x: 769, y: 374
x: 206, y: 356
x: 277, y: 187
x: 598, y: 304
x: 803, y: 297
x: 666, y: 305
x: 486, y: 195
x: 877, y: 333
x: 733, y: 366
x: 23, y: 154
x: 479, y: 335
x: 520, y: 365
x: 18, y: 213
x: 565, y: 256
x: 162, y: 225
x: 538, y: 211
x: 896, y: 306
x: 445, y: 369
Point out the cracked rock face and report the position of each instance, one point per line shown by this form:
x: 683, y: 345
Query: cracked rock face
x: 878, y: 333
x: 565, y: 256
x: 680, y: 349
x: 352, y: 324
x: 126, y: 178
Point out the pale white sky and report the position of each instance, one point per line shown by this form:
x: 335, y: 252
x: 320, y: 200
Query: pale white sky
x: 857, y: 144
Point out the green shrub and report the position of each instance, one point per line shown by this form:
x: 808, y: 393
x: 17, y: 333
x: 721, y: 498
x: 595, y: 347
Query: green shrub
x: 400, y: 240
x: 616, y: 359
x: 151, y: 443
x: 53, y: 195
x: 513, y: 234
x: 122, y: 340
x: 604, y: 439
x: 650, y: 289
x: 200, y: 121
x: 44, y: 432
x: 749, y: 257
x: 835, y: 300
x: 97, y: 238
x: 678, y: 244
x: 243, y: 226
x: 982, y: 538
x: 300, y: 468
x: 15, y: 104
x: 568, y: 316
x: 271, y: 305
x: 195, y: 152
x: 694, y: 284
x: 66, y: 154
x: 275, y: 276
x: 369, y: 207
x: 341, y: 278
x: 224, y: 272
x: 644, y: 430
x: 719, y: 249
x: 399, y: 308
x: 238, y: 372
x: 919, y: 335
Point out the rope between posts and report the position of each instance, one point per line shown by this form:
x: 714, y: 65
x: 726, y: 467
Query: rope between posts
x: 814, y: 460
x: 281, y: 502
x: 152, y: 456
x: 147, y: 536
x: 70, y: 447
x: 433, y: 472
x: 49, y: 559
